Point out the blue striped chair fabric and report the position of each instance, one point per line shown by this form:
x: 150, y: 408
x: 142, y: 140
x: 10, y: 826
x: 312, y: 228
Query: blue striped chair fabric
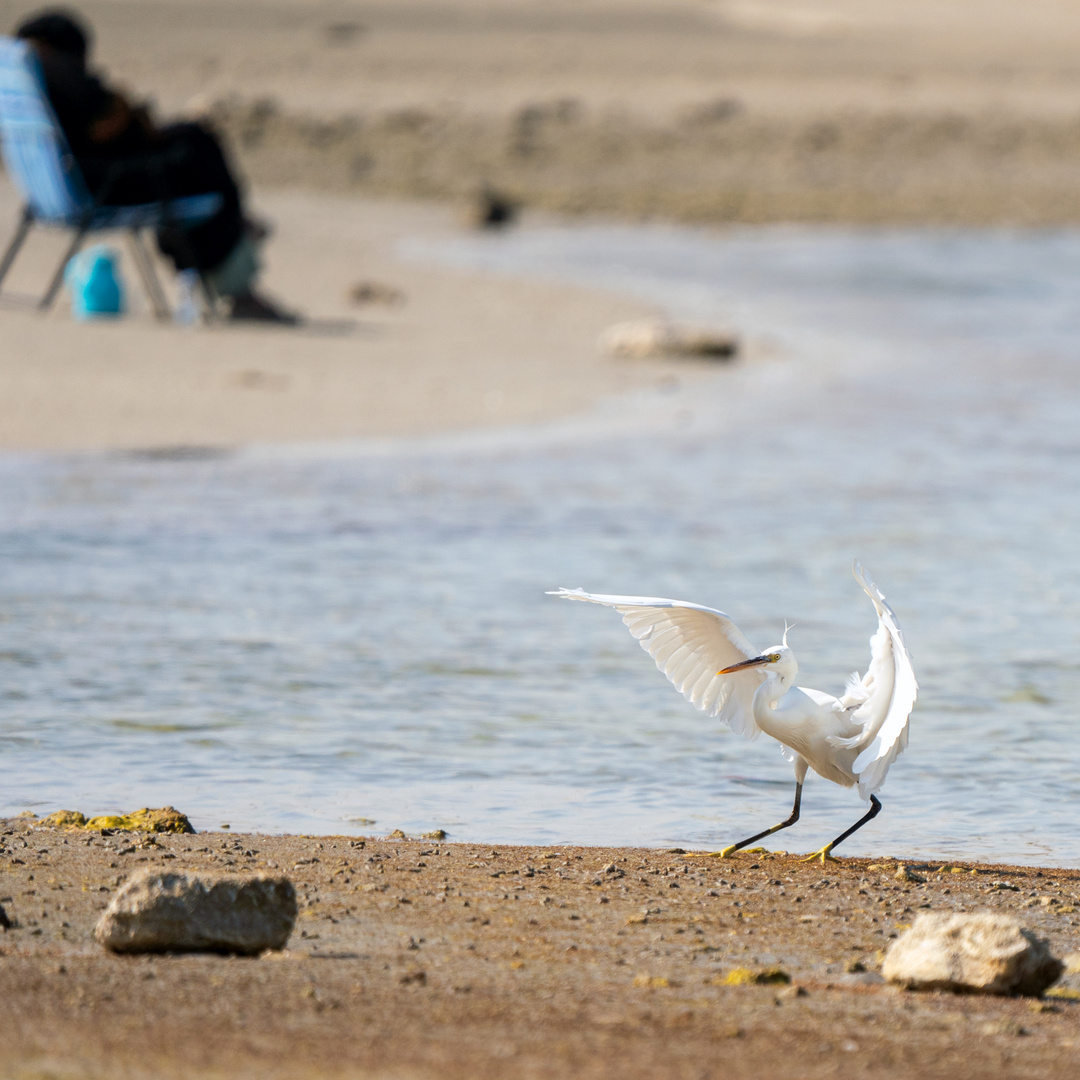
x: 43, y: 169
x: 41, y: 166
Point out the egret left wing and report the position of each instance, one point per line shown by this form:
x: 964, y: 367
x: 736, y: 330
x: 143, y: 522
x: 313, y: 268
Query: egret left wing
x: 881, y: 702
x: 690, y: 644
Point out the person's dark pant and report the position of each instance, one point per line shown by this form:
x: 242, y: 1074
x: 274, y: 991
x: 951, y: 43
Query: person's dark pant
x: 186, y: 159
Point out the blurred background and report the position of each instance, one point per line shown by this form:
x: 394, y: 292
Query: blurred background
x: 694, y: 110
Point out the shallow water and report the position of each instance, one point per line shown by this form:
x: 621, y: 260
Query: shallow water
x: 357, y: 639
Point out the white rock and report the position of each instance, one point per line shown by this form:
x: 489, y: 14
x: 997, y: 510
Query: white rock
x: 654, y: 337
x: 162, y: 911
x: 634, y: 340
x: 981, y: 953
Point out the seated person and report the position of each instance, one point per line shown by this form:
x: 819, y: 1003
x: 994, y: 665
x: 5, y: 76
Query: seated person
x: 104, y: 129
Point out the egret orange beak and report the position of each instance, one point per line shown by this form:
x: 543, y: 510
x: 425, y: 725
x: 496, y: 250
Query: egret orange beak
x: 756, y: 662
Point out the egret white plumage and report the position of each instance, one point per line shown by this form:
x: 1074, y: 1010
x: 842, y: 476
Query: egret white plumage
x: 851, y: 740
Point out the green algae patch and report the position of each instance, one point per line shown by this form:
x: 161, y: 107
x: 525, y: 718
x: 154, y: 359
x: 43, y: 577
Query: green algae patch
x: 167, y: 819
x: 65, y: 819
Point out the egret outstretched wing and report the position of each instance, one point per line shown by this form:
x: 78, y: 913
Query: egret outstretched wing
x: 882, y: 700
x: 690, y: 644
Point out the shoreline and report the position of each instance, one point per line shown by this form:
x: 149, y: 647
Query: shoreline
x: 418, y: 958
x: 453, y: 352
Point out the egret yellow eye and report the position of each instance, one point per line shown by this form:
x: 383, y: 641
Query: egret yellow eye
x: 774, y: 658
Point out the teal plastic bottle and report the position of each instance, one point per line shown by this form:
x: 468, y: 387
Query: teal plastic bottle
x: 96, y: 289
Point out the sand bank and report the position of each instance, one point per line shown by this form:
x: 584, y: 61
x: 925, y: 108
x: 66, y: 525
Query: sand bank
x: 461, y: 351
x: 707, y: 110
x: 425, y: 958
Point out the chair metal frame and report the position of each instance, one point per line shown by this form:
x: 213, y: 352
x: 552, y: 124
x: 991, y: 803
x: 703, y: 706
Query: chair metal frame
x: 40, y: 163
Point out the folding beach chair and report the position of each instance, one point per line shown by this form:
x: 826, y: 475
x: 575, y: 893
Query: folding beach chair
x: 44, y: 171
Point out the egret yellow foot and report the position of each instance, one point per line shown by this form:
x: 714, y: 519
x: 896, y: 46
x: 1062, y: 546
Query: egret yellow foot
x: 823, y: 855
x: 728, y: 851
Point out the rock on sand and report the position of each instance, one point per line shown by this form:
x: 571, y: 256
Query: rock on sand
x: 654, y: 337
x: 159, y: 911
x: 981, y: 953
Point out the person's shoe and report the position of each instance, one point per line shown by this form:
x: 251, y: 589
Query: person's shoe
x: 259, y: 229
x: 253, y: 308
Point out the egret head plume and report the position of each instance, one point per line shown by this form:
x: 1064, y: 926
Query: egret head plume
x: 787, y: 626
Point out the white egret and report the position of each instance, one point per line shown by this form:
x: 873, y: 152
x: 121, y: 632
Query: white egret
x: 851, y: 740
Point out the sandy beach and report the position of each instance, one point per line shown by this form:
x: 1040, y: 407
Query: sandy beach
x: 458, y: 351
x: 418, y: 958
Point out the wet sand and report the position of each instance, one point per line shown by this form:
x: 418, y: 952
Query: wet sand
x: 420, y: 958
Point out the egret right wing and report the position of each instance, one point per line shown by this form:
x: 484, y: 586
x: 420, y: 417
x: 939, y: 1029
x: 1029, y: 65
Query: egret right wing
x: 690, y: 644
x: 882, y: 700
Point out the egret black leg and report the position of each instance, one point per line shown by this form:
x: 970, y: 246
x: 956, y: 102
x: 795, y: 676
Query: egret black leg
x: 791, y: 819
x: 875, y: 809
